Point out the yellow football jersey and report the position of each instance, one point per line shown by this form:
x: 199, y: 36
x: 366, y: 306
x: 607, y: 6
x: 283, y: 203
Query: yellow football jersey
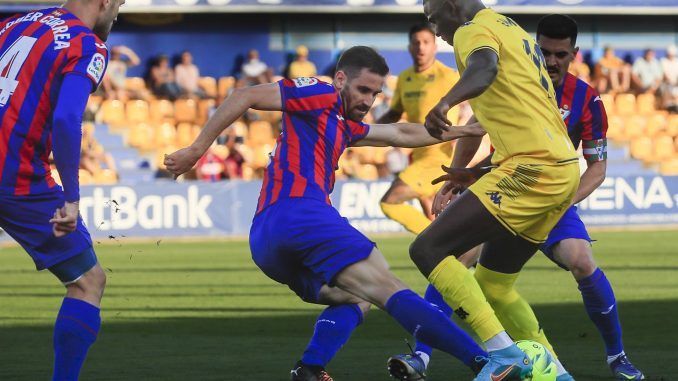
x: 416, y: 94
x: 519, y: 110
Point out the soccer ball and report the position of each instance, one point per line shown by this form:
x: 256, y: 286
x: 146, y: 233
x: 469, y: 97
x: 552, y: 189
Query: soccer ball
x: 542, y: 360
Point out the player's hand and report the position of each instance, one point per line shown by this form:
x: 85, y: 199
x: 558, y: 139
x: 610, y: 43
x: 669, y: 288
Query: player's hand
x: 182, y: 160
x: 443, y: 198
x: 457, y: 178
x: 65, y: 219
x: 456, y: 132
x: 436, y: 120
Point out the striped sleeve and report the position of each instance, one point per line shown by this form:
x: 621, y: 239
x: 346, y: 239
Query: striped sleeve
x: 358, y: 130
x: 306, y: 94
x: 87, y: 56
x: 594, y: 129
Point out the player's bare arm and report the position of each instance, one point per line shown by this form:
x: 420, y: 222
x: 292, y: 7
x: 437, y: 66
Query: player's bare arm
x: 262, y: 97
x: 480, y: 73
x: 411, y: 135
x: 590, y: 180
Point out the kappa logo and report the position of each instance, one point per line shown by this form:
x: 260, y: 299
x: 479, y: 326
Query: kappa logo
x: 495, y: 197
x: 101, y: 46
x: 461, y: 313
x: 305, y: 81
x: 96, y: 67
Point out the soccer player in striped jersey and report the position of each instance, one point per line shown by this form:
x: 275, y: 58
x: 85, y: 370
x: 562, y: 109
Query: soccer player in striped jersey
x: 298, y: 239
x: 50, y: 61
x: 568, y: 243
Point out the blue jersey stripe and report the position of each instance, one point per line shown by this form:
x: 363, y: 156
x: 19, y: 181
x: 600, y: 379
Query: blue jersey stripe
x: 577, y: 104
x: 332, y: 126
x: 287, y: 176
x: 597, y: 122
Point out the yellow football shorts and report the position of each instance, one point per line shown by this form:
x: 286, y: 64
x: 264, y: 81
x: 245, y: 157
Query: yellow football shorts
x: 419, y: 174
x: 528, y: 199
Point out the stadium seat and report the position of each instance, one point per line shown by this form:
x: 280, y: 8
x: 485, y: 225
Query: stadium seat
x: 160, y: 155
x: 672, y: 127
x: 225, y: 84
x: 260, y: 132
x: 261, y: 155
x: 608, y: 102
x: 391, y: 82
x: 165, y: 135
x: 184, y: 134
x: 185, y: 110
x: 85, y: 177
x: 367, y: 172
x: 162, y: 110
x: 641, y: 148
x: 135, y: 84
x: 113, y: 113
x: 656, y: 125
x: 204, y: 107
x: 635, y: 127
x: 94, y: 102
x: 669, y: 167
x: 138, y: 111
x: 141, y: 136
x: 663, y: 148
x: 366, y: 155
x: 625, y: 104
x: 209, y: 85
x: 645, y: 103
x: 220, y: 150
x: 615, y: 127
x: 106, y: 177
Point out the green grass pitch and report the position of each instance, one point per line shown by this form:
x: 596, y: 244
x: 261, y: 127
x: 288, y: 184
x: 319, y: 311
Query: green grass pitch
x: 203, y: 311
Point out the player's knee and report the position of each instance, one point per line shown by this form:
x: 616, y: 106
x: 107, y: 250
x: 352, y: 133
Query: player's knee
x: 94, y: 281
x: 581, y: 263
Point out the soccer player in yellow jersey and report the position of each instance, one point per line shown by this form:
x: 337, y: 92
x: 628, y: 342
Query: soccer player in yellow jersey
x: 418, y: 89
x: 513, y: 207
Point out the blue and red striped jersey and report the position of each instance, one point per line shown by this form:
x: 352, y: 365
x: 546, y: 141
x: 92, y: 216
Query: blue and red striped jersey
x: 314, y: 134
x: 37, y: 49
x: 584, y: 115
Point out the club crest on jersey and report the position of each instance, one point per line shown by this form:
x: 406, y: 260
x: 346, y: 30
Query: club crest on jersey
x: 96, y: 67
x: 564, y: 112
x: 305, y: 81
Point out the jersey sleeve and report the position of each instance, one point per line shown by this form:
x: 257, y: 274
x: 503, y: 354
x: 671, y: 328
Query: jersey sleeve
x: 306, y: 94
x: 594, y: 129
x: 397, y: 100
x: 472, y: 37
x: 358, y: 130
x: 88, y: 57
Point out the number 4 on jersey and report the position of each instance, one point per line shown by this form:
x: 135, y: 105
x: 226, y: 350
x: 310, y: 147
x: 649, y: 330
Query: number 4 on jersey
x: 10, y: 64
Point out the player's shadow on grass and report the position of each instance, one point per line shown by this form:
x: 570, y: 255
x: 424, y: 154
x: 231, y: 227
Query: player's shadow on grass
x: 263, y: 343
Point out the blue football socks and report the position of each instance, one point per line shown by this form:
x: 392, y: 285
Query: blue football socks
x: 75, y: 330
x: 428, y: 324
x: 332, y: 330
x: 433, y: 296
x: 602, y: 309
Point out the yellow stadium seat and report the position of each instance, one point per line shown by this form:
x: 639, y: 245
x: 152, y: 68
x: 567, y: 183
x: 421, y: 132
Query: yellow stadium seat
x: 138, y: 111
x: 225, y: 84
x: 656, y: 125
x: 85, y: 177
x: 220, y: 150
x: 669, y: 167
x: 625, y: 104
x: 113, y: 113
x: 261, y: 155
x: 204, y: 107
x: 162, y: 110
x: 672, y: 128
x: 615, y: 127
x: 645, y: 103
x: 260, y: 132
x: 165, y: 135
x: 209, y: 85
x: 391, y: 82
x: 365, y: 155
x: 141, y: 136
x: 641, y: 148
x: 185, y: 110
x: 367, y: 172
x: 160, y: 155
x: 635, y: 127
x: 663, y: 148
x: 608, y: 102
x: 135, y: 84
x: 106, y: 177
x: 94, y: 102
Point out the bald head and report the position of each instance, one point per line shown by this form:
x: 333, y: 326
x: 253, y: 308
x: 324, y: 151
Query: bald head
x: 448, y: 15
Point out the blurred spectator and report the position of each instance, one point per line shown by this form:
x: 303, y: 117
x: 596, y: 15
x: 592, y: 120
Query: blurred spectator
x: 93, y: 158
x: 162, y: 81
x: 188, y: 77
x: 255, y: 71
x: 396, y: 160
x: 611, y: 73
x: 647, y: 73
x: 580, y: 69
x: 301, y: 66
x: 122, y: 58
x: 235, y: 159
x: 349, y: 165
x: 212, y: 165
x: 670, y: 86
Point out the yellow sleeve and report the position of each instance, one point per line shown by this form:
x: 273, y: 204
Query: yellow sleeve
x: 451, y: 79
x: 472, y: 37
x: 397, y: 101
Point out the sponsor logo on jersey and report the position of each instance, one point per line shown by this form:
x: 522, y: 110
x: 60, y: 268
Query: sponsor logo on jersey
x: 305, y: 81
x: 96, y: 67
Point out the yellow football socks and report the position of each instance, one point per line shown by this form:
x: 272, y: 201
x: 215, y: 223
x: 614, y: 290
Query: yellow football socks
x: 411, y: 218
x: 512, y: 310
x: 461, y: 291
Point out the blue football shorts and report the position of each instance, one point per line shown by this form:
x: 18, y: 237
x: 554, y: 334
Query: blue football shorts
x: 26, y: 219
x: 569, y: 226
x: 304, y: 243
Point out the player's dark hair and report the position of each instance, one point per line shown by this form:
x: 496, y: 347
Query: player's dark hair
x: 419, y: 28
x: 356, y: 58
x: 558, y: 27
